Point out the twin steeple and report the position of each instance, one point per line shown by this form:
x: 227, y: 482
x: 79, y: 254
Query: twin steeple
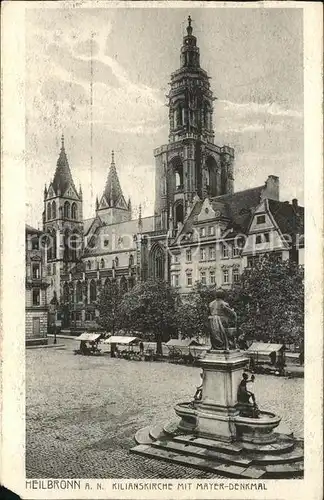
x: 112, y: 207
x: 62, y: 178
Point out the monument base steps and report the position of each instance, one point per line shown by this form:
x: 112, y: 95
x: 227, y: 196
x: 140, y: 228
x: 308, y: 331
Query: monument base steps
x: 281, y: 459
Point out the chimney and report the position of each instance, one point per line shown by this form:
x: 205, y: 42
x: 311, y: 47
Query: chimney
x: 295, y: 204
x: 271, y: 188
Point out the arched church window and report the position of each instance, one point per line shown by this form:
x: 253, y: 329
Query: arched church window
x: 156, y: 262
x: 102, y: 263
x: 53, y: 243
x: 74, y: 241
x: 131, y: 260
x: 67, y: 210
x: 207, y: 116
x: 53, y: 210
x: 49, y: 246
x: 93, y: 291
x: 116, y: 262
x: 178, y: 213
x: 179, y: 177
x: 67, y: 245
x: 207, y: 177
x: 49, y: 211
x: 66, y: 292
x: 74, y: 214
x: 79, y: 291
x: 211, y: 167
x: 179, y: 116
x: 89, y: 264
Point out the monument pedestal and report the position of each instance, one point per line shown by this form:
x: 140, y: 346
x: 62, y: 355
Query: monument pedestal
x: 213, y: 436
x: 217, y: 409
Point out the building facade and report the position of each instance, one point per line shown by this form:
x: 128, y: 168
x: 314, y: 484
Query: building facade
x: 36, y: 310
x: 201, y: 229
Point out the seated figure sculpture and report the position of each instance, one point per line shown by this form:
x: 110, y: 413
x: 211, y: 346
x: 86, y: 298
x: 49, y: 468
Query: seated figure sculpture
x: 220, y: 315
x: 247, y: 408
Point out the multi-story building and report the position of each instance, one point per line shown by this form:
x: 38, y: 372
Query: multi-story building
x: 36, y: 309
x: 201, y: 230
x: 223, y: 235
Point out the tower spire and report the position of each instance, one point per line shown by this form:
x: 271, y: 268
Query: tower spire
x: 140, y: 222
x: 62, y: 177
x: 189, y: 27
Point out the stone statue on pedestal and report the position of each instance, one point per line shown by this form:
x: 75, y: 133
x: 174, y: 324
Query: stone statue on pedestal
x: 220, y: 315
x: 247, y: 407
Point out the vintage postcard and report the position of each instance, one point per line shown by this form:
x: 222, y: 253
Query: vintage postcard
x: 162, y: 260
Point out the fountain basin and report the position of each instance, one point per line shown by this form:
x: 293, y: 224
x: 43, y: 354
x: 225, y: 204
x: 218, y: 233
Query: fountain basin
x: 188, y: 414
x: 257, y: 430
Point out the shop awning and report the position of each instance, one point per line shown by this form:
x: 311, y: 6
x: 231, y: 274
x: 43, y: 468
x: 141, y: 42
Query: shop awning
x: 264, y: 348
x: 182, y: 343
x: 121, y: 339
x: 89, y: 337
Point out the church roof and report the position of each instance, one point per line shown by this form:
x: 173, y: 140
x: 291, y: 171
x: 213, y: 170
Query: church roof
x: 242, y: 201
x: 31, y: 230
x: 87, y: 223
x: 62, y: 177
x: 289, y: 218
x: 118, y: 237
x: 113, y: 191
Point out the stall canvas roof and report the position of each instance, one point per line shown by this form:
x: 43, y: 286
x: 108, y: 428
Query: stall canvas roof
x: 119, y: 339
x: 182, y: 343
x: 90, y: 337
x: 264, y: 348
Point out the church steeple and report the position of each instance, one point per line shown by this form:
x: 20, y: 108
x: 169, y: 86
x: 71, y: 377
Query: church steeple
x: 62, y: 177
x: 189, y: 49
x: 190, y: 163
x: 190, y: 96
x: 112, y: 206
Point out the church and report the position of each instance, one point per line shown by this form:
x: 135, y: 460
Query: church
x: 201, y: 229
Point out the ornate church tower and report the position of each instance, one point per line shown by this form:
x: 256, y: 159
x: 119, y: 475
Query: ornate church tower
x: 112, y: 207
x: 62, y: 222
x: 190, y: 164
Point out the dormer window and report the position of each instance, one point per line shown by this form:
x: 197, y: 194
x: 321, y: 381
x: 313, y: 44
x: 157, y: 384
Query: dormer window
x: 260, y: 219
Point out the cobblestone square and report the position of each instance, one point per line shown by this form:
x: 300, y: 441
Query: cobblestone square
x: 82, y: 412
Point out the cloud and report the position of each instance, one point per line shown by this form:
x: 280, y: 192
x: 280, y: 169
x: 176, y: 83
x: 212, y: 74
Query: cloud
x: 254, y: 108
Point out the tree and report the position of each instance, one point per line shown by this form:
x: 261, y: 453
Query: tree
x: 150, y: 307
x: 109, y: 306
x: 269, y: 301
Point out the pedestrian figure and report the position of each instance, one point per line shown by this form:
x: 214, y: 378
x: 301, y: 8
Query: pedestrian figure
x: 301, y: 358
x: 141, y: 346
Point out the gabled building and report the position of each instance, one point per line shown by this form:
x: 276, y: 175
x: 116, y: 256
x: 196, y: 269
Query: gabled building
x: 36, y: 310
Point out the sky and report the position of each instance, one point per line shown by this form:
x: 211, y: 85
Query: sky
x: 253, y: 56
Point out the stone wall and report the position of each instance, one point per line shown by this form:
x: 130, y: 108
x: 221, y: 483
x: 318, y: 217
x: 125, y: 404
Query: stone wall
x: 42, y: 315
